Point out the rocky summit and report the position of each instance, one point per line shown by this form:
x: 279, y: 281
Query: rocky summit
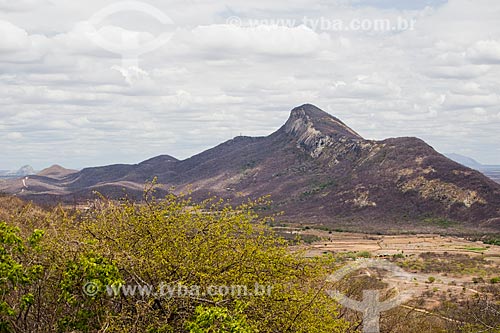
x: 316, y: 169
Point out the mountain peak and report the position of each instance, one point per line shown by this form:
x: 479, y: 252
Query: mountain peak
x: 159, y: 159
x: 309, y: 109
x: 56, y: 171
x: 310, y: 117
x: 314, y: 129
x: 26, y: 170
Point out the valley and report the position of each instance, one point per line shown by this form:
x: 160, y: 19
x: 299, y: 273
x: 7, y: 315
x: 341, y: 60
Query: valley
x: 442, y: 270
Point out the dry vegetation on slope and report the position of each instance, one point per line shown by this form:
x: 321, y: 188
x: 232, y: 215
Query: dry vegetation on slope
x: 50, y: 256
x: 316, y: 169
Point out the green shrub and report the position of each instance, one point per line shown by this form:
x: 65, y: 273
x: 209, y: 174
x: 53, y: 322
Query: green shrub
x: 172, y: 241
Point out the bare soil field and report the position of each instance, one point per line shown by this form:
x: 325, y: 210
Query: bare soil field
x: 388, y: 245
x: 440, y: 268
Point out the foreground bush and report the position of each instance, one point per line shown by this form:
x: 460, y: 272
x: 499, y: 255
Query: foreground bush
x: 78, y: 274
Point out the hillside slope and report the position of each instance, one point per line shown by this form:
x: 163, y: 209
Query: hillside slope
x: 317, y: 170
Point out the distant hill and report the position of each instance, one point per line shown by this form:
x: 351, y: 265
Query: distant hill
x: 464, y: 160
x: 56, y: 172
x: 23, y: 171
x: 492, y: 171
x: 317, y: 170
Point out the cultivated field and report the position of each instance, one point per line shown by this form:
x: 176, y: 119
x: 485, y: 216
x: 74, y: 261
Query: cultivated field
x: 388, y: 245
x: 442, y: 270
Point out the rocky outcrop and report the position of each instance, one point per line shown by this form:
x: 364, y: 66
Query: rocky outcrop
x: 314, y: 130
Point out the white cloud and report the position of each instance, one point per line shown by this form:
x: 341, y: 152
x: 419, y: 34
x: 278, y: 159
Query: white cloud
x: 14, y: 136
x: 365, y: 87
x: 458, y: 72
x: 12, y: 38
x: 454, y: 101
x: 265, y: 39
x: 485, y: 52
x: 20, y: 5
x: 213, y: 81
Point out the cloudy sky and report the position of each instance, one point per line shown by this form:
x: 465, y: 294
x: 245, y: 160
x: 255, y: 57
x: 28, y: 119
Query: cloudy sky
x: 76, y: 88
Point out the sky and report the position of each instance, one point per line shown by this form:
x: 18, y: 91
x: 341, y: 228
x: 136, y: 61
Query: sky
x: 88, y: 83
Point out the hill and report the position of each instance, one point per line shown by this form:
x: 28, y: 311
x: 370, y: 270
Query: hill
x: 21, y: 172
x: 491, y: 171
x: 317, y: 170
x: 56, y: 172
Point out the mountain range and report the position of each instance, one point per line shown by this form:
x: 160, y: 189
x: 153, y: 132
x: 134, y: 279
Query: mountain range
x: 315, y: 168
